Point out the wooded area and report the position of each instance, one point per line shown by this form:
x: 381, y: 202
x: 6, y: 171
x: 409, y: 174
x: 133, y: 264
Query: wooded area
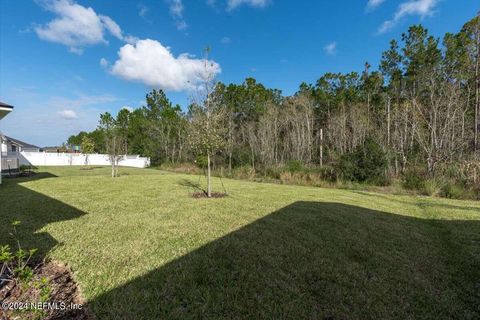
x: 415, y: 119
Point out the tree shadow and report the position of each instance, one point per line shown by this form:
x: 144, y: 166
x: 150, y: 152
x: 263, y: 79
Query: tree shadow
x: 315, y: 260
x: 195, y: 186
x: 34, y: 210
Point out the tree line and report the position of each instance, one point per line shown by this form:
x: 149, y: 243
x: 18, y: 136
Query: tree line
x: 416, y: 118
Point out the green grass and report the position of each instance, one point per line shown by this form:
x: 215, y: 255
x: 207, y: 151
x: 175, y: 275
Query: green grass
x: 141, y: 248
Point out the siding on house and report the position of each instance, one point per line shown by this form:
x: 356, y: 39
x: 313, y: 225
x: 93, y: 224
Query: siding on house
x: 11, y: 150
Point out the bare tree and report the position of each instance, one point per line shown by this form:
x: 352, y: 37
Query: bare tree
x: 114, y: 141
x: 206, y: 130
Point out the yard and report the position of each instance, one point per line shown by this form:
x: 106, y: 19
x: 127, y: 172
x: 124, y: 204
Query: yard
x: 141, y: 247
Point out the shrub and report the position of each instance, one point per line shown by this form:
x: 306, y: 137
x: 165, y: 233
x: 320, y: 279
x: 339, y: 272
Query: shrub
x: 24, y: 168
x: 272, y: 172
x: 328, y: 173
x: 14, y: 264
x: 430, y: 187
x: 294, y: 166
x: 453, y: 191
x: 366, y: 163
x: 244, y: 172
x: 413, y: 180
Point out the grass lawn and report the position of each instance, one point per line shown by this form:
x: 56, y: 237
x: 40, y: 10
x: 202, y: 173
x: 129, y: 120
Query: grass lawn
x: 141, y: 248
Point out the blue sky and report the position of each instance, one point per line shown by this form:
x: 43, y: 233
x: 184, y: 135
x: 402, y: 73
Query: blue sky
x: 64, y: 62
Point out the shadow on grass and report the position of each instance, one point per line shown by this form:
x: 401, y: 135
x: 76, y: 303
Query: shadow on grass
x: 195, y: 186
x: 34, y: 210
x: 309, y: 260
x: 315, y: 260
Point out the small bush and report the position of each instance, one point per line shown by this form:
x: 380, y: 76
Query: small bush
x: 430, y: 187
x: 272, y: 172
x: 15, y: 264
x: 328, y: 173
x: 413, y: 180
x: 24, y: 168
x: 244, y: 172
x: 453, y: 191
x: 294, y: 166
x: 366, y: 164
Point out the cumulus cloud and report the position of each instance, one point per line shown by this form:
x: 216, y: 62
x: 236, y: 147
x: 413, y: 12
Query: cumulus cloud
x: 76, y: 26
x: 68, y: 114
x: 373, y: 4
x: 148, y: 61
x: 48, y: 114
x: 232, y: 4
x: 422, y: 8
x: 331, y: 48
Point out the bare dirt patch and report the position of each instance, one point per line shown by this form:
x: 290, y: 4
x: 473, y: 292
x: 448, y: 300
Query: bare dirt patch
x: 52, y: 286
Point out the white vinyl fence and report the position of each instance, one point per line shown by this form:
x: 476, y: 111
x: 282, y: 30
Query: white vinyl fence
x: 79, y: 159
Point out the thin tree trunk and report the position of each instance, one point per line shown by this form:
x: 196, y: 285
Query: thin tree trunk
x: 477, y: 88
x: 112, y: 159
x: 321, y: 148
x: 388, y: 122
x: 209, y: 187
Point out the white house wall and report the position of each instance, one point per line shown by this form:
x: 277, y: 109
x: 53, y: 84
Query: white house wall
x: 78, y: 159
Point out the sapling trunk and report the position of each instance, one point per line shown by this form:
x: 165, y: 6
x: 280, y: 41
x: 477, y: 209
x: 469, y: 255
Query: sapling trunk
x: 209, y: 187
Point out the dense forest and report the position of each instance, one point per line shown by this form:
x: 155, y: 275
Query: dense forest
x: 415, y: 120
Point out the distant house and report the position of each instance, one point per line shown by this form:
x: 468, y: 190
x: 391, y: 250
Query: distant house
x: 12, y: 152
x: 53, y: 149
x: 4, y: 110
x: 13, y: 146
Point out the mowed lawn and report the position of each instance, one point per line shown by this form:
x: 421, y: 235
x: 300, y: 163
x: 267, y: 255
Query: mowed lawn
x: 141, y: 247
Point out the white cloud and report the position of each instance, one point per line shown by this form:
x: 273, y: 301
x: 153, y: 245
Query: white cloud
x: 181, y: 24
x: 176, y: 8
x: 176, y: 11
x: 225, y: 40
x: 81, y: 101
x: 422, y: 8
x: 76, y: 26
x: 331, y: 48
x: 103, y: 63
x: 51, y: 125
x: 142, y: 10
x: 68, y: 114
x: 232, y: 4
x: 373, y: 4
x: 148, y: 61
x: 111, y: 26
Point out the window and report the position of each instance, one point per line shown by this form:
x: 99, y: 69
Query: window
x: 14, y: 148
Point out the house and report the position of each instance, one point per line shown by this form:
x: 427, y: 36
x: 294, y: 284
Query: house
x: 15, y: 146
x: 13, y: 152
x: 4, y: 110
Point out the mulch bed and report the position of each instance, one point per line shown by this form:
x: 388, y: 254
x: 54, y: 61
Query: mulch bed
x: 200, y: 195
x: 64, y: 296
